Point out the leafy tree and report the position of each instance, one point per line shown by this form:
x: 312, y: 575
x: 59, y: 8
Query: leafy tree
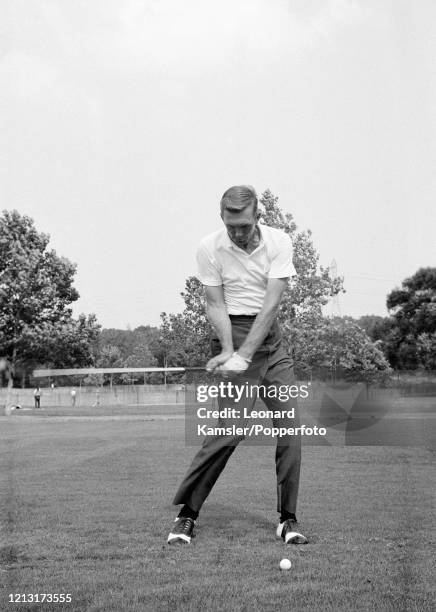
x: 426, y: 349
x: 141, y: 357
x: 36, y: 290
x: 414, y: 305
x: 185, y: 336
x: 146, y: 334
x: 413, y: 308
x: 376, y: 327
x: 126, y: 340
x: 381, y: 330
x: 110, y: 357
x: 313, y: 286
x: 122, y: 339
x: 337, y: 347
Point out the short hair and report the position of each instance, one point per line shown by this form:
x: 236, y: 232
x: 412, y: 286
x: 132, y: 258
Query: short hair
x: 237, y: 198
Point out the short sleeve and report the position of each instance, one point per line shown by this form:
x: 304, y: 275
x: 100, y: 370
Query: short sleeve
x: 208, y: 272
x: 282, y: 265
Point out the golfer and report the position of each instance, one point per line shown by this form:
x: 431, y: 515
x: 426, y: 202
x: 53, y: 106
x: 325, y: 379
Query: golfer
x: 245, y: 268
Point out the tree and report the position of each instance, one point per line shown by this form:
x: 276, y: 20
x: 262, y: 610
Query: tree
x: 122, y: 339
x: 337, y: 347
x: 110, y: 357
x: 316, y: 341
x: 185, y: 337
x: 313, y: 286
x: 137, y: 353
x: 426, y: 349
x: 376, y: 327
x: 413, y: 309
x: 126, y: 340
x: 141, y: 357
x: 381, y: 331
x: 36, y: 290
x: 146, y: 334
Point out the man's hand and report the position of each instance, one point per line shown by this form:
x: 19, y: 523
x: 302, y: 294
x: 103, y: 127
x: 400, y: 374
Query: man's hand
x: 217, y: 361
x: 234, y: 365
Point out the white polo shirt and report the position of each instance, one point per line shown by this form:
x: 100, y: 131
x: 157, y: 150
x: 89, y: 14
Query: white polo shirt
x: 244, y: 276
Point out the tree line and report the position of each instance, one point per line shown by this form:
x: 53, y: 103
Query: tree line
x: 38, y: 329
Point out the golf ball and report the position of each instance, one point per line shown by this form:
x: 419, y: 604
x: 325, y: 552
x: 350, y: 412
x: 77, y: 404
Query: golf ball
x: 285, y: 564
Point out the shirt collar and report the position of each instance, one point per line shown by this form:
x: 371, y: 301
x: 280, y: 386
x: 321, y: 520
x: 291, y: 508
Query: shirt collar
x: 231, y: 245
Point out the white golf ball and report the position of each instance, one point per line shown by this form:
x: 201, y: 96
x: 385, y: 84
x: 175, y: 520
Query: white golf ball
x: 285, y: 564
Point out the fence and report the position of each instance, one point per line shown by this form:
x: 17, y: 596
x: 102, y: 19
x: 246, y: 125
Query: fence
x: 137, y: 395
x: 122, y: 395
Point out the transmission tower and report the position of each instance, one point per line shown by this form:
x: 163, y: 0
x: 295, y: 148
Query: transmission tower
x: 335, y: 306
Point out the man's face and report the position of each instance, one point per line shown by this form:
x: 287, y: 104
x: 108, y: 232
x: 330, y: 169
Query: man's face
x: 241, y: 226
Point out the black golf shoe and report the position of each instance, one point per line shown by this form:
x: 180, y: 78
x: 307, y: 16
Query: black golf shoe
x: 182, y: 531
x: 290, y: 533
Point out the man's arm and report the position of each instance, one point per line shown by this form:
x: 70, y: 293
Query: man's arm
x: 265, y: 318
x: 282, y: 268
x: 220, y: 321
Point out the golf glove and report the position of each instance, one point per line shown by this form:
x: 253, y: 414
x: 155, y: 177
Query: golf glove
x: 235, y: 363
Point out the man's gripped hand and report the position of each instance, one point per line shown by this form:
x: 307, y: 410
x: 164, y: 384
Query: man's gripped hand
x: 218, y: 360
x: 234, y: 365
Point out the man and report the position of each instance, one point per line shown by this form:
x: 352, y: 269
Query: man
x: 97, y: 398
x: 73, y: 397
x: 37, y: 397
x: 245, y: 269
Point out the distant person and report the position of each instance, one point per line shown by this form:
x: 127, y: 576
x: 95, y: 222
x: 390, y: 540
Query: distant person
x: 73, y: 397
x: 97, y: 398
x: 37, y: 397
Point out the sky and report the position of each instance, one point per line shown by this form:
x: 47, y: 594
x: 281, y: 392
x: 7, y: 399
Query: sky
x: 122, y: 123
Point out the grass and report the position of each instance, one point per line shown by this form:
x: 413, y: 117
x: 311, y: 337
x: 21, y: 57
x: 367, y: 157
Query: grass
x: 86, y: 508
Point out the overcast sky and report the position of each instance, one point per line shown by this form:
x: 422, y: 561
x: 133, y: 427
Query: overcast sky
x: 123, y: 122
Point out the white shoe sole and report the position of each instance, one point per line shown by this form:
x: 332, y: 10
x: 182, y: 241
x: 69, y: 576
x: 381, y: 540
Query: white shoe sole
x: 178, y: 537
x: 292, y: 537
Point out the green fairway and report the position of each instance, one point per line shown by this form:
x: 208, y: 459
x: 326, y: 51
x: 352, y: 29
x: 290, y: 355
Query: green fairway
x: 86, y: 508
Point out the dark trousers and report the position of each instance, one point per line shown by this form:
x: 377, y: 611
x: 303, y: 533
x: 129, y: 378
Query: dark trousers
x: 271, y: 366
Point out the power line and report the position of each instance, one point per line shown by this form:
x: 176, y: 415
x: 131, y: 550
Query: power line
x: 374, y: 278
